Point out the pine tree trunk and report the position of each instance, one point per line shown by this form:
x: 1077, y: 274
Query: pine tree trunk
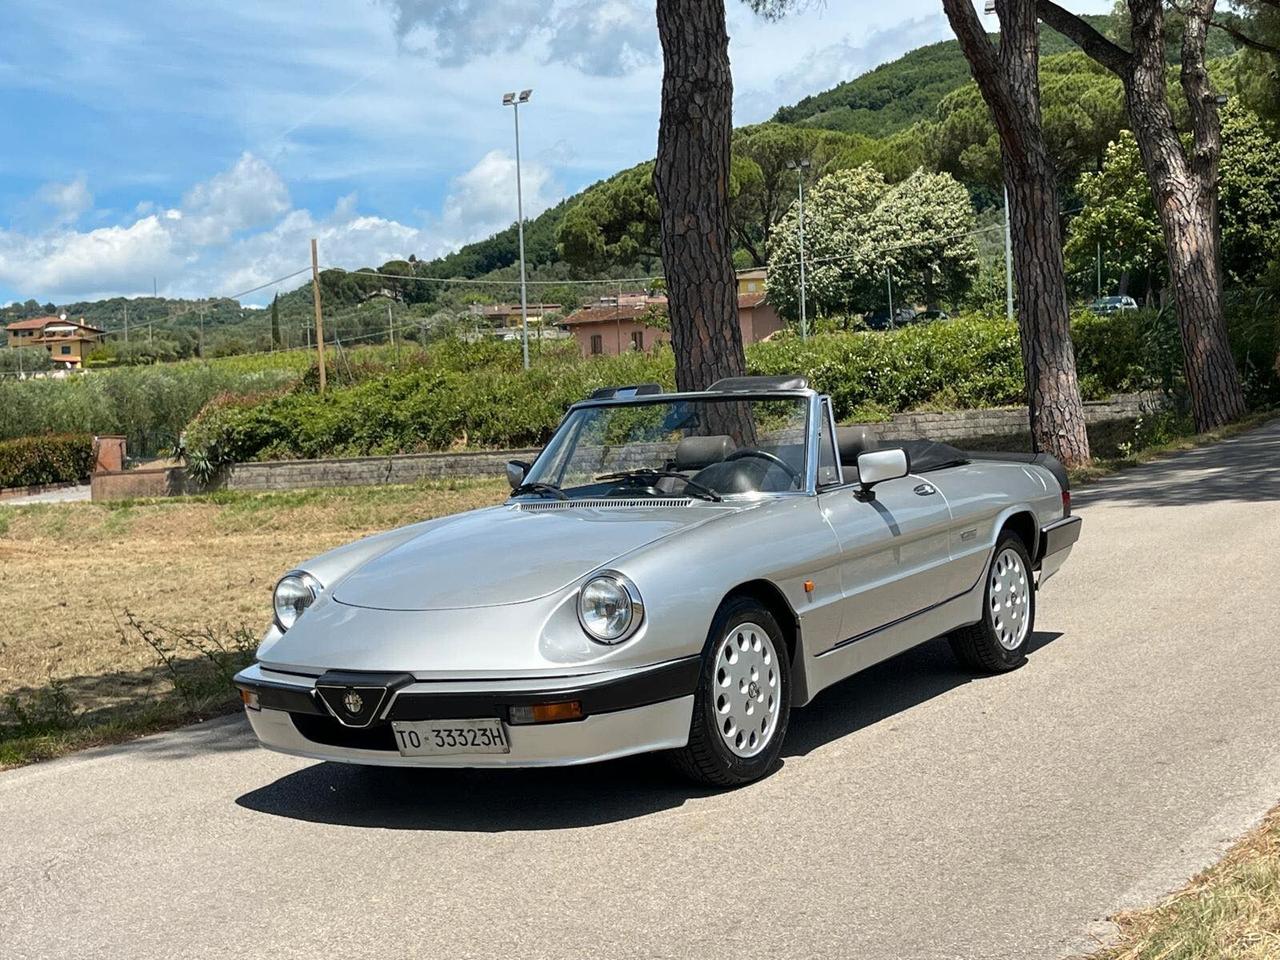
x: 691, y: 177
x: 1009, y: 82
x: 1049, y: 361
x: 1185, y: 190
x: 1213, y: 381
x: 1184, y: 184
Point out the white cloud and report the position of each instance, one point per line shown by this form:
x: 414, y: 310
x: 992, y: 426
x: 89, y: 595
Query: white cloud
x: 237, y: 230
x: 66, y: 202
x: 482, y: 201
x: 603, y: 38
x: 250, y: 194
x: 63, y: 263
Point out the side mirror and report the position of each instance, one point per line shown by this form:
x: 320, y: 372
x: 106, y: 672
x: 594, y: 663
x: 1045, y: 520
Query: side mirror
x: 517, y: 470
x: 876, y: 466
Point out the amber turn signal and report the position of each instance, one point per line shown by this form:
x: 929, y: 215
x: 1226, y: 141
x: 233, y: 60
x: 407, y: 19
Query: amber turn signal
x: 547, y: 712
x: 250, y: 699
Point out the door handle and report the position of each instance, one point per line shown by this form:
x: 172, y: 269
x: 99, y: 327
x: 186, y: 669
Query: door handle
x: 925, y: 490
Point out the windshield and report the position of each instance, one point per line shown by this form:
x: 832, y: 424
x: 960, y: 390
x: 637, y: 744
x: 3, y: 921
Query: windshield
x: 709, y: 449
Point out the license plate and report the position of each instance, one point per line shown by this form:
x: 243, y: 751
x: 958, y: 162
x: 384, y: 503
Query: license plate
x: 434, y: 738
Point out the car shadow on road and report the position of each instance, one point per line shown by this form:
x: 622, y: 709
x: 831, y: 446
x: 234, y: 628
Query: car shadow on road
x: 883, y: 691
x: 568, y: 797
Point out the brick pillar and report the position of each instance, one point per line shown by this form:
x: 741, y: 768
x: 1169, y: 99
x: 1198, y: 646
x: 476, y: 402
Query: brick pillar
x: 111, y: 453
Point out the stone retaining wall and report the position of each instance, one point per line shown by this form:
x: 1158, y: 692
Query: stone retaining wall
x: 952, y: 427
x: 365, y: 471
x: 956, y: 425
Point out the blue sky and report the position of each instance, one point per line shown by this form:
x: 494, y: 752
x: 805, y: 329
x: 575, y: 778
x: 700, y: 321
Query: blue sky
x: 203, y: 144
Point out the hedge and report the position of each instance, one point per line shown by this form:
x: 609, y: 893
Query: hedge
x: 477, y: 396
x: 52, y: 458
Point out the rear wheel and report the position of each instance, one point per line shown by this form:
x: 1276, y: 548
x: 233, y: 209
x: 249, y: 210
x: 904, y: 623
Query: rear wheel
x: 743, y: 701
x: 998, y: 642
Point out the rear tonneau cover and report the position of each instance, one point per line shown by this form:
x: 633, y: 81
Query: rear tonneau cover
x: 1046, y: 460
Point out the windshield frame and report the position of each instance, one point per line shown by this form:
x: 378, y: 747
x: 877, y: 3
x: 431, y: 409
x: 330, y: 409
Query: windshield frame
x: 813, y: 413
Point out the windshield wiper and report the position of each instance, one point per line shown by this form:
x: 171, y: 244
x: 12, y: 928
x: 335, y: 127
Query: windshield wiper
x: 538, y: 487
x: 691, y: 486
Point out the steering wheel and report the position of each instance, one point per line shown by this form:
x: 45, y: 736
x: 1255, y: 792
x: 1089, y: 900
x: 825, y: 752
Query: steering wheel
x: 791, y: 471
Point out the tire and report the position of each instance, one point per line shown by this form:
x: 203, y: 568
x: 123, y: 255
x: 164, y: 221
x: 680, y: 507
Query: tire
x: 998, y: 642
x: 729, y: 746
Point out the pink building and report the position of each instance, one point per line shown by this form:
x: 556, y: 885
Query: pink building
x: 610, y: 328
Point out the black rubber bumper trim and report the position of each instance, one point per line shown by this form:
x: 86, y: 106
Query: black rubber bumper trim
x: 677, y: 678
x: 1058, y: 536
x: 283, y: 696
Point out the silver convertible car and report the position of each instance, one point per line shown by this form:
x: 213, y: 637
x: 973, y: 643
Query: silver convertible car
x: 675, y: 572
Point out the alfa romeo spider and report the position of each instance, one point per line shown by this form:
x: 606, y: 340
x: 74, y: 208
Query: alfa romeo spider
x: 674, y: 572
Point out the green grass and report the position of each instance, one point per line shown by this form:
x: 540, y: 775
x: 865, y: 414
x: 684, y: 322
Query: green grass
x: 1229, y: 912
x: 52, y: 740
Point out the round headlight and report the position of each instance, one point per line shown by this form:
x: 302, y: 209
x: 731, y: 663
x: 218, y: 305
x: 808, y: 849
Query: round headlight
x: 294, y: 593
x: 609, y: 608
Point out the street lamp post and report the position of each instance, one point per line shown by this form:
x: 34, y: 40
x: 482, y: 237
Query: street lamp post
x: 514, y: 100
x: 799, y: 167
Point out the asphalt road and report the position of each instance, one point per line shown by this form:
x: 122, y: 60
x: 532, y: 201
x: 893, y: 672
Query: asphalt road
x: 919, y: 813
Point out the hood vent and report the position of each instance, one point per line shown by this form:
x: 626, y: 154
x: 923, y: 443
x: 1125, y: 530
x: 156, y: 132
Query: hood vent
x: 605, y: 503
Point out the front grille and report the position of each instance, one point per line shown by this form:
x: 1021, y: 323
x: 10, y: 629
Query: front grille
x: 328, y: 731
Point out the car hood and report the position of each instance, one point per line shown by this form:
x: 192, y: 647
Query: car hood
x: 507, y: 554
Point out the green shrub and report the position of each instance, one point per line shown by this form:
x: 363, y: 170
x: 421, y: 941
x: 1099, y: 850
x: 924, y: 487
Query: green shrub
x: 1253, y: 324
x: 52, y: 458
x: 1127, y: 351
x: 458, y: 395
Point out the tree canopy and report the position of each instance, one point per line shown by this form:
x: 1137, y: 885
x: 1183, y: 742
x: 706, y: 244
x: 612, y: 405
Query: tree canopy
x: 859, y: 229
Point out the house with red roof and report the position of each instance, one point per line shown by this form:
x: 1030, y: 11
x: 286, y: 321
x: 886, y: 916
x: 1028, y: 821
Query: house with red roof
x: 66, y: 341
x: 615, y: 325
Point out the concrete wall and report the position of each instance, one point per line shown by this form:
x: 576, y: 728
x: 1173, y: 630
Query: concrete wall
x: 951, y: 427
x: 137, y: 484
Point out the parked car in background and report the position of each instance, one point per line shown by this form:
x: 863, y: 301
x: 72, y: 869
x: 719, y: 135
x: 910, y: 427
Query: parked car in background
x: 1105, y: 305
x: 674, y: 572
x: 882, y: 320
x: 928, y: 316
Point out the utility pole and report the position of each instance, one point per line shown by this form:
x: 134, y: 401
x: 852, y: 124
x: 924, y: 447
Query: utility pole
x: 799, y: 168
x: 391, y: 330
x: 1008, y: 261
x: 126, y: 321
x: 514, y: 101
x: 315, y: 292
x: 1099, y: 269
x: 888, y: 279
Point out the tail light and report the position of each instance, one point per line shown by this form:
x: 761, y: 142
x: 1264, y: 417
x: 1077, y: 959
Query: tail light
x: 1066, y: 503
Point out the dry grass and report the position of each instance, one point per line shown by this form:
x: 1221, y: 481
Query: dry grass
x: 1229, y: 912
x: 68, y: 572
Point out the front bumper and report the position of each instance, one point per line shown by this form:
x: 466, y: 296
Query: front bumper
x: 625, y: 712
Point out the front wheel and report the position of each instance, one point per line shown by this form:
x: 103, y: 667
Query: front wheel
x: 743, y: 701
x: 998, y: 642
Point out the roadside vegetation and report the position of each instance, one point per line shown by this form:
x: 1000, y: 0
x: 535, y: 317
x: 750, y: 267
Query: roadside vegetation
x: 458, y: 396
x: 1231, y: 910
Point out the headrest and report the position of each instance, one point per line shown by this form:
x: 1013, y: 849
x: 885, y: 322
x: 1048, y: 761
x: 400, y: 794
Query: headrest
x: 851, y: 441
x: 694, y: 453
